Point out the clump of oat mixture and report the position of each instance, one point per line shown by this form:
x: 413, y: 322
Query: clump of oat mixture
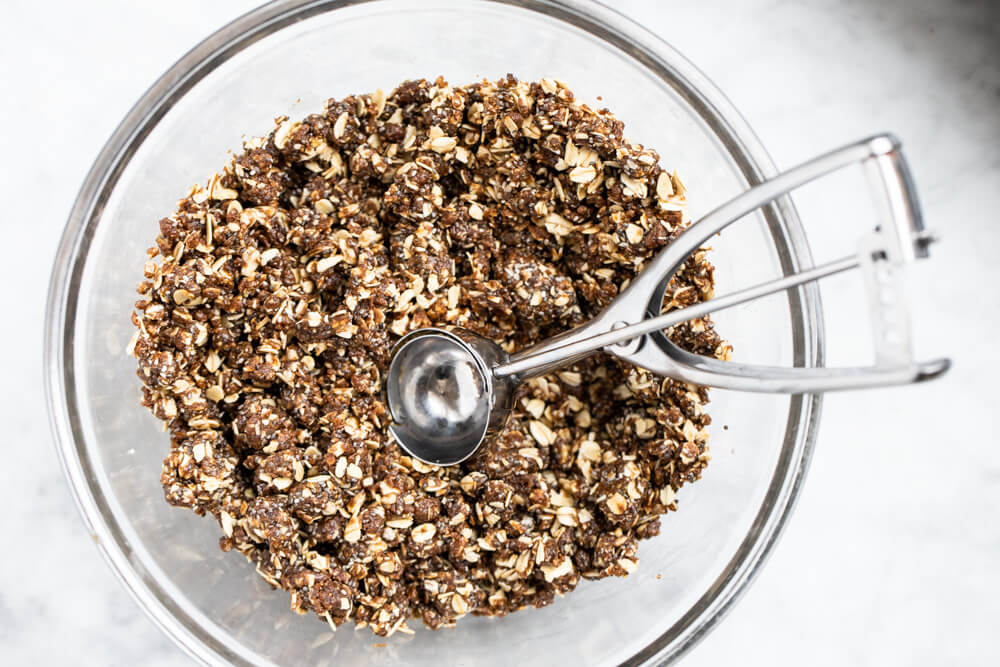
x: 274, y: 295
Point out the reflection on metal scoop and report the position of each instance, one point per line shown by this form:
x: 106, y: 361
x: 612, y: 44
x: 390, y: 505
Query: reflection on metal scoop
x: 449, y: 390
x: 444, y: 395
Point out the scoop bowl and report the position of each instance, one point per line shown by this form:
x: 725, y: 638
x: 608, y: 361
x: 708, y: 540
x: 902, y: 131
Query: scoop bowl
x: 443, y: 396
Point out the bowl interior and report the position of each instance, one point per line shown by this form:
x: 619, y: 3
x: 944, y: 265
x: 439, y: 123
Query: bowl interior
x: 214, y: 601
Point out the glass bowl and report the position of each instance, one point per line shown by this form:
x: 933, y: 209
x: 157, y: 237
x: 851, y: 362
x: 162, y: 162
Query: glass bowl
x: 286, y: 58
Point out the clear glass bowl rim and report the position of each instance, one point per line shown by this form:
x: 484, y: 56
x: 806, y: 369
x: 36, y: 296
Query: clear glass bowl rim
x: 605, y: 23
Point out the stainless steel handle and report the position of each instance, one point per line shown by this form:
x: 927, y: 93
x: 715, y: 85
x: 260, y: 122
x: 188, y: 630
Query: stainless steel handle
x: 634, y: 318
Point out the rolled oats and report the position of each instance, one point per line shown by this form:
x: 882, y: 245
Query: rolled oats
x: 273, y: 296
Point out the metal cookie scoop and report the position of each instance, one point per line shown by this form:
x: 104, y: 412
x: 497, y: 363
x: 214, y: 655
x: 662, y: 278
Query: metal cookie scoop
x: 449, y: 390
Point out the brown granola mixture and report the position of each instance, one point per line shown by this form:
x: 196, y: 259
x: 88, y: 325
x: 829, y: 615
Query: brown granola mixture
x: 266, y: 323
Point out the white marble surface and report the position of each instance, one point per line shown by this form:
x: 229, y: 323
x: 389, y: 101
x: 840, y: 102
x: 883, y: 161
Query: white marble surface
x: 892, y: 555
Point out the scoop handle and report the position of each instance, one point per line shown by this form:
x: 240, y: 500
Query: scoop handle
x: 631, y: 326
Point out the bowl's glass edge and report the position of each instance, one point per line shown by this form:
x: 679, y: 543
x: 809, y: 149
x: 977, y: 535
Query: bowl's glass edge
x: 716, y: 110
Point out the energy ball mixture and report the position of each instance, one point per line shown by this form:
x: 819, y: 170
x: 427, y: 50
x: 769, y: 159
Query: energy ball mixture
x: 273, y: 298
